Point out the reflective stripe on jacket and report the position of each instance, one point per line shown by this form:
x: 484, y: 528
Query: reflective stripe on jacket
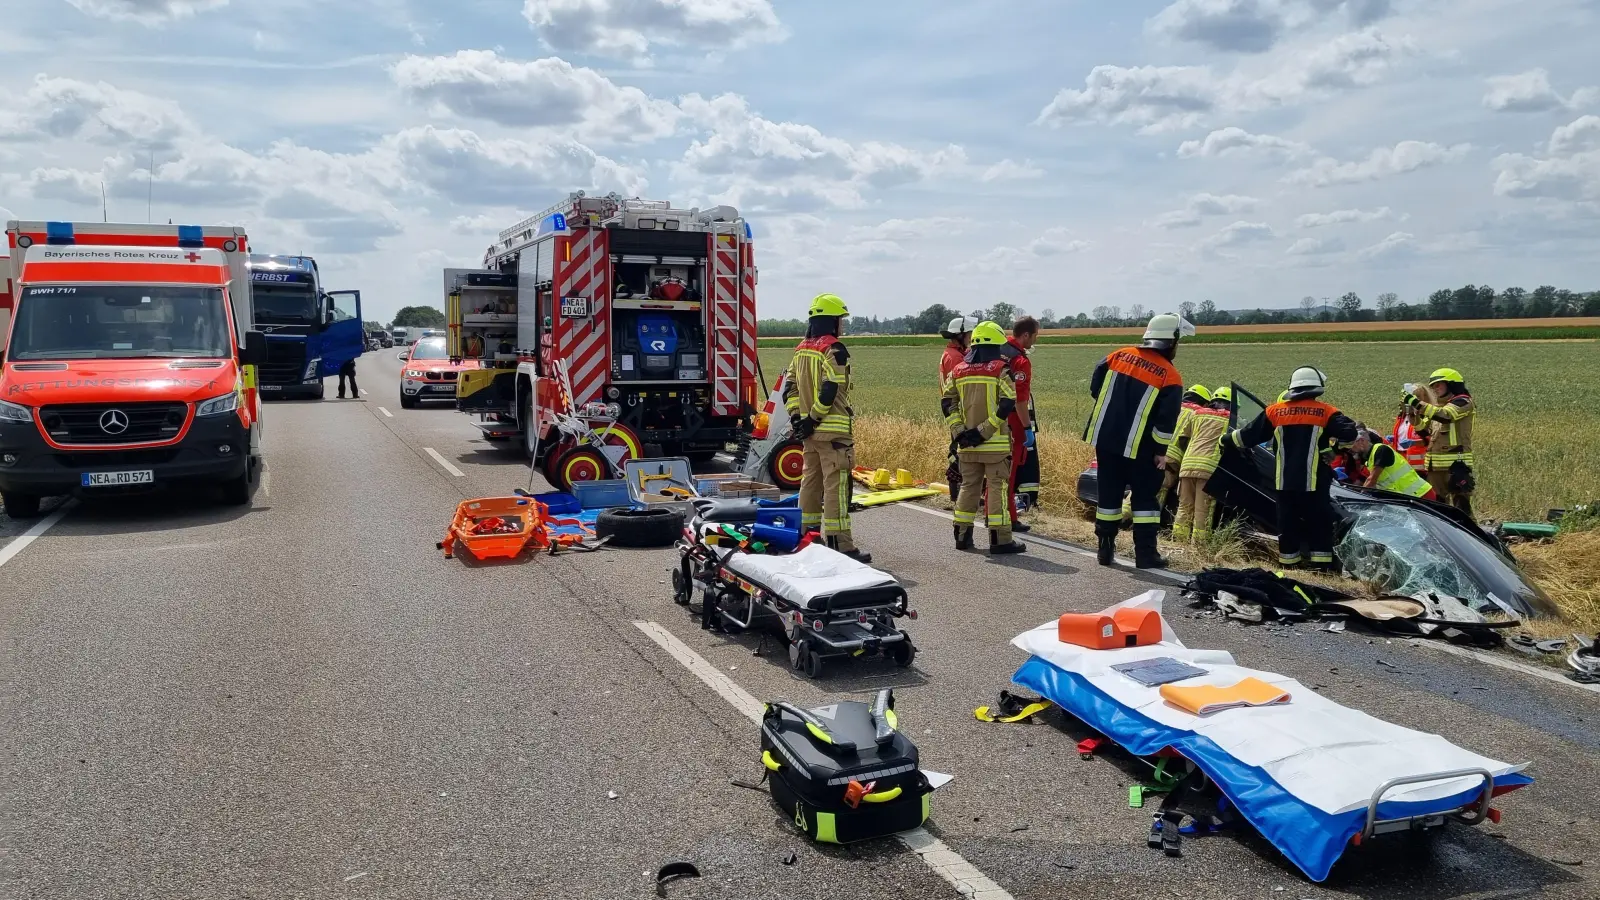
x: 1452, y: 432
x: 1411, y: 444
x: 1398, y: 477
x: 817, y: 363
x: 1204, y: 431
x: 1138, y: 393
x: 981, y: 396
x: 1300, y: 431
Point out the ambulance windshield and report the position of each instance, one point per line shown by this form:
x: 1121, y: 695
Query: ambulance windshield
x: 94, y: 321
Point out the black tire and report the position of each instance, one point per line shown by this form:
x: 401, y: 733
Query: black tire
x: 787, y: 480
x: 20, y: 506
x: 903, y: 653
x: 813, y: 664
x: 650, y: 527
x: 322, y: 391
x: 682, y: 584
x: 530, y: 440
x: 237, y: 491
x: 701, y: 456
x: 407, y: 402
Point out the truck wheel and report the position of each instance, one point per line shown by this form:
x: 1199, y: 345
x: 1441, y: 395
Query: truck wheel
x: 786, y: 464
x: 577, y: 464
x: 407, y: 402
x: 322, y: 390
x: 237, y: 491
x: 530, y: 440
x: 20, y: 506
x: 648, y: 527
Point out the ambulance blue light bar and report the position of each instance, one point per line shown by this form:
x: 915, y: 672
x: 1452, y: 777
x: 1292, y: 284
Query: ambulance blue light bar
x: 59, y: 233
x: 191, y: 236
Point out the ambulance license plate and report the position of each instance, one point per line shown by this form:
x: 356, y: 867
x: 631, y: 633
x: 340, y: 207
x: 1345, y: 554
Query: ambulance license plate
x: 116, y: 479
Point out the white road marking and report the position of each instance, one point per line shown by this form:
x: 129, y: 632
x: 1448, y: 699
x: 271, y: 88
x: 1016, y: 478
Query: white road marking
x: 1488, y: 659
x: 266, y: 484
x: 9, y: 551
x: 386, y: 412
x: 444, y: 462
x: 1177, y: 577
x: 363, y: 393
x: 938, y: 856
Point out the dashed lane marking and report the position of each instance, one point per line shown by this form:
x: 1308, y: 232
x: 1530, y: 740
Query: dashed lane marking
x: 9, y: 551
x: 938, y: 856
x: 444, y: 462
x: 386, y: 412
x: 363, y: 392
x: 1177, y: 577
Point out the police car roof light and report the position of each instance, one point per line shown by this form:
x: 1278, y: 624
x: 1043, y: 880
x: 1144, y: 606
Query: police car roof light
x: 59, y: 233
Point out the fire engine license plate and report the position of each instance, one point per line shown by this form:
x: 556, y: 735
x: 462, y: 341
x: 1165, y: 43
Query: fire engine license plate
x: 113, y: 479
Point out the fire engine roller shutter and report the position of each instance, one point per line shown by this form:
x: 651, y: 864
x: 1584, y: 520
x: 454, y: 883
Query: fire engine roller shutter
x: 748, y: 380
x: 585, y: 343
x: 726, y: 334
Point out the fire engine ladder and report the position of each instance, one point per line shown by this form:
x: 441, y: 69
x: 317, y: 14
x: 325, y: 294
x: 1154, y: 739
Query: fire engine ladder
x: 724, y: 322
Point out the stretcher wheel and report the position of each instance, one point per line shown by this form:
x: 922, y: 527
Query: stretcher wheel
x: 682, y: 584
x: 903, y: 653
x: 814, y: 662
x: 798, y: 654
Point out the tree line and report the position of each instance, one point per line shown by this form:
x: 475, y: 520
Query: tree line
x: 1468, y: 302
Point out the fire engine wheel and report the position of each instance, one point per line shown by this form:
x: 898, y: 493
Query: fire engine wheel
x: 787, y: 464
x: 578, y: 464
x: 620, y: 436
x: 530, y: 437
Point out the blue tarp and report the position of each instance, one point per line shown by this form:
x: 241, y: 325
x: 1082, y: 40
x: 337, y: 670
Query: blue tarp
x: 1312, y: 839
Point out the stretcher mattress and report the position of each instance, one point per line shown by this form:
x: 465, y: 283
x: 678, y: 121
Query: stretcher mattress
x: 1303, y: 772
x: 811, y: 577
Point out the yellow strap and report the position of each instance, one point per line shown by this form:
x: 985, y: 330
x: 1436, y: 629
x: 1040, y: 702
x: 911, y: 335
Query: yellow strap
x: 819, y: 734
x: 882, y: 796
x: 769, y: 762
x: 1032, y: 709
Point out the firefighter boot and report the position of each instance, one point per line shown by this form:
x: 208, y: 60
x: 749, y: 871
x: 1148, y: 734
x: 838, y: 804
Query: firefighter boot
x: 1021, y: 527
x: 855, y: 553
x: 1145, y: 554
x: 1106, y: 552
x: 997, y: 548
x: 963, y: 537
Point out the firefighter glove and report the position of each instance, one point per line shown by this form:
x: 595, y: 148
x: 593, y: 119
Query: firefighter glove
x: 805, y: 428
x: 972, y: 437
x: 1410, y: 399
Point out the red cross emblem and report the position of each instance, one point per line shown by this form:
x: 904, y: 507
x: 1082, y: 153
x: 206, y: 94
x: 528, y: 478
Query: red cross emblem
x: 192, y: 256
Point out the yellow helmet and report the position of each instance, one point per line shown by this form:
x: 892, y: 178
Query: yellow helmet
x: 987, y: 334
x: 1223, y: 393
x: 1445, y: 375
x: 1199, y: 390
x: 828, y: 305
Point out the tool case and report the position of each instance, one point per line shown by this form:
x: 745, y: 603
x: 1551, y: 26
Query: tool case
x: 844, y: 772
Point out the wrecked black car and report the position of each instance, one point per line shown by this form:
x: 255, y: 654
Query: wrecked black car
x: 1398, y: 544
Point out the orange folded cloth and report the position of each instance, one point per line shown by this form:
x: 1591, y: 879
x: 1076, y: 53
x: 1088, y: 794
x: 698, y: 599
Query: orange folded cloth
x: 1204, y: 699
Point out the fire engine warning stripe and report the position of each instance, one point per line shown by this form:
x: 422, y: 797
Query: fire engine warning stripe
x: 937, y: 855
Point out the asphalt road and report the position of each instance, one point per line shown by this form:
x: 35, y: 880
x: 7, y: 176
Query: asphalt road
x: 304, y: 699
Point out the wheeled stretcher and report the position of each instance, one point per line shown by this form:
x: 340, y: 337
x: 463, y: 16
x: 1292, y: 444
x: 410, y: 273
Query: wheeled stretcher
x: 827, y: 604
x: 1314, y: 777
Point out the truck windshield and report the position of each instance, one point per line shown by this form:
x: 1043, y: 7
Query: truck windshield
x: 284, y: 304
x: 93, y: 321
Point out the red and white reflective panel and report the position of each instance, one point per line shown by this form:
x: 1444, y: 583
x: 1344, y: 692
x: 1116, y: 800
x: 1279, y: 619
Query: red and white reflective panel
x: 585, y: 342
x: 725, y: 337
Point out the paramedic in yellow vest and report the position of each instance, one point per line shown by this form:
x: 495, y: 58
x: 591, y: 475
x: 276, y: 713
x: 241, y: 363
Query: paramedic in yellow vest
x: 1201, y: 437
x: 817, y: 396
x: 1387, y: 469
x: 978, y: 402
x: 1450, y: 460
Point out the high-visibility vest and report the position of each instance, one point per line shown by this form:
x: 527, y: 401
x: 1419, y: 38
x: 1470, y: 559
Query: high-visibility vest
x: 1398, y: 478
x: 1405, y: 438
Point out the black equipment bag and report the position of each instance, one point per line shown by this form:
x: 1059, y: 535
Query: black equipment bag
x: 844, y: 772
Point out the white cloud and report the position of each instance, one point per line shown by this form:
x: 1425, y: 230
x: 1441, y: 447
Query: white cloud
x: 67, y: 109
x: 1343, y: 216
x: 540, y: 93
x: 1236, y: 234
x: 1053, y: 242
x: 469, y: 168
x: 1397, y: 244
x: 1230, y: 140
x: 1531, y: 91
x: 790, y: 166
x: 628, y: 28
x: 1382, y: 162
x: 1164, y: 98
x: 1007, y: 170
x: 1246, y: 26
x: 1202, y: 205
x: 147, y: 12
x: 1315, y: 247
x: 1570, y: 170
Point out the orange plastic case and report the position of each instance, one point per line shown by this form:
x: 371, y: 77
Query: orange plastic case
x: 1123, y: 628
x: 530, y: 514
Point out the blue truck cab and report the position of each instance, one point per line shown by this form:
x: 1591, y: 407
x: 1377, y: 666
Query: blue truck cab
x: 311, y: 333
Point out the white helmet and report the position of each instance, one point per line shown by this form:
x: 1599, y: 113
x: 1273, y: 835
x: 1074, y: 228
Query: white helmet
x: 1307, y: 382
x: 958, y: 326
x: 1165, y: 329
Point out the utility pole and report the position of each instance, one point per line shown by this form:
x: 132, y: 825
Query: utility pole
x: 104, y: 215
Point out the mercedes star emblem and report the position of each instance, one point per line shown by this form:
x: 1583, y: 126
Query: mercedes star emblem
x: 113, y: 421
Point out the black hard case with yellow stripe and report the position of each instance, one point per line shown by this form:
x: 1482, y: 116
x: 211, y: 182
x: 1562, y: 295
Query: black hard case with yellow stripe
x: 812, y: 775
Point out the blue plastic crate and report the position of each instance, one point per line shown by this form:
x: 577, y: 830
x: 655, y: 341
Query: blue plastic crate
x: 602, y: 494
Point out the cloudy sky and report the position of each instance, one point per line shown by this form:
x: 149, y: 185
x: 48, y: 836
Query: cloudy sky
x: 1058, y: 154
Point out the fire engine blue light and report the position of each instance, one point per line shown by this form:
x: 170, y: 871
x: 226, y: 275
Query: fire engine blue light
x: 191, y: 236
x: 748, y: 234
x: 59, y: 233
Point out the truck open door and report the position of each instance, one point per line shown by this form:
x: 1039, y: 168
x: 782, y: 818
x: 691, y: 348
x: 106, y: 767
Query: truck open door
x: 343, y: 335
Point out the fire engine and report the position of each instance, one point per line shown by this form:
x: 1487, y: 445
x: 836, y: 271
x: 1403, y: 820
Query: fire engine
x: 634, y: 316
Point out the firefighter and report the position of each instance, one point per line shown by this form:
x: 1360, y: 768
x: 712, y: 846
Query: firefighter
x: 957, y: 333
x: 817, y: 396
x: 1024, y: 481
x: 1138, y: 393
x: 1387, y: 469
x: 1449, y: 459
x: 1198, y: 396
x: 1200, y: 435
x: 1301, y: 428
x: 978, y: 403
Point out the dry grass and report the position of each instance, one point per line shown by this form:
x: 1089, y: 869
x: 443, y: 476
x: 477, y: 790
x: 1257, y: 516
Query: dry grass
x: 1342, y: 327
x: 1568, y: 568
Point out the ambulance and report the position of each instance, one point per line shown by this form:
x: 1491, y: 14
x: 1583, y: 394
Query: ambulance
x: 129, y: 363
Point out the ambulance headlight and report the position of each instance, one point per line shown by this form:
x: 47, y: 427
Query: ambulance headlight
x: 12, y: 412
x: 413, y: 373
x: 216, y: 406
x: 312, y: 367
